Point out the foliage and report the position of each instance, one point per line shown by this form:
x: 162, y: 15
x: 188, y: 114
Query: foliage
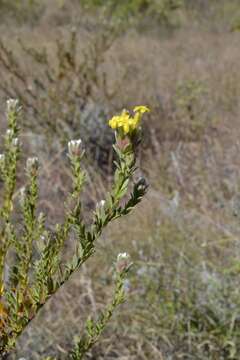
x: 236, y: 24
x: 94, y: 329
x: 161, y: 10
x: 191, y: 299
x: 191, y: 100
x: 64, y: 94
x: 21, y: 10
x: 32, y: 266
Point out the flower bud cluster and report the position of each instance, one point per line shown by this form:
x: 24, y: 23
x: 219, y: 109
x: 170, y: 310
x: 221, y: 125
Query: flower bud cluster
x: 9, y: 133
x: 32, y: 166
x: 11, y: 138
x: 12, y: 105
x: 123, y: 262
x: 15, y: 142
x: 75, y: 148
x: 100, y: 208
x: 41, y: 217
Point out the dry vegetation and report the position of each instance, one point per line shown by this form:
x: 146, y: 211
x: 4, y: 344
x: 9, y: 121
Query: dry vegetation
x: 184, y: 289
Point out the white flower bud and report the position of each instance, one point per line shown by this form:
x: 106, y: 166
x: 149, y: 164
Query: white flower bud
x: 41, y: 217
x: 32, y: 165
x: 123, y: 262
x: 15, y: 142
x: 100, y: 210
x: 12, y: 105
x: 75, y: 147
x: 122, y: 256
x: 9, y: 133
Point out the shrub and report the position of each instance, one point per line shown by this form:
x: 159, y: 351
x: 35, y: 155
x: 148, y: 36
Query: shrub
x: 191, y: 99
x: 32, y: 265
x: 67, y: 86
x: 22, y: 11
x: 160, y: 10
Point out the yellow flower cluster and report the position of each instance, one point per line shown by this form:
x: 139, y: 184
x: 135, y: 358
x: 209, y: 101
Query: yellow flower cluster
x: 126, y: 123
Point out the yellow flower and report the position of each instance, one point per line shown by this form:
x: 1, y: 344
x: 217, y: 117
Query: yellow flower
x: 126, y: 128
x: 126, y: 124
x: 141, y: 109
x: 114, y: 122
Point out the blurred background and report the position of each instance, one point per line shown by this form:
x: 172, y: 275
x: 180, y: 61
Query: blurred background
x: 73, y: 65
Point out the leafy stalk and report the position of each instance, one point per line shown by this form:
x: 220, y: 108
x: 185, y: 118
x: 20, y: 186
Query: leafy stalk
x: 39, y: 269
x: 94, y: 329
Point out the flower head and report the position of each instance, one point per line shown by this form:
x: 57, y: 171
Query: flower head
x: 32, y: 165
x: 15, y: 142
x: 75, y: 147
x: 123, y: 262
x: 9, y: 133
x: 100, y: 208
x: 12, y: 105
x: 126, y: 124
